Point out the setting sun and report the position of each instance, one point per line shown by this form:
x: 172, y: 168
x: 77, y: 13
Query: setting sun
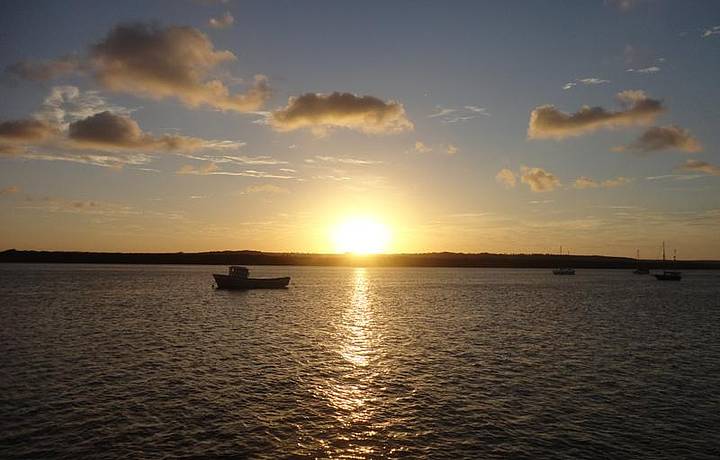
x: 361, y: 235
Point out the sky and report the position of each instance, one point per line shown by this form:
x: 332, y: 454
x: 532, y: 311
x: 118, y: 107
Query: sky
x: 479, y: 126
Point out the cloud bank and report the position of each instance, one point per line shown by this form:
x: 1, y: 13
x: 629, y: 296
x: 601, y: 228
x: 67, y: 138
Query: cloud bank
x: 320, y: 112
x: 547, y: 122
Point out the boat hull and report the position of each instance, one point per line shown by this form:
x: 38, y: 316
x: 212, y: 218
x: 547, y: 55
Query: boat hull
x: 668, y: 277
x: 234, y: 282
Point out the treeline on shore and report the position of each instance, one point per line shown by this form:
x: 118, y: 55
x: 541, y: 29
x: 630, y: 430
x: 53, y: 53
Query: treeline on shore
x: 443, y: 259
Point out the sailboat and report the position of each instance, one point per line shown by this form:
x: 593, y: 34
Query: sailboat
x: 667, y: 275
x: 640, y: 270
x: 563, y: 270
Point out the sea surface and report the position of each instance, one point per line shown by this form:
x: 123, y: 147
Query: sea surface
x: 127, y: 362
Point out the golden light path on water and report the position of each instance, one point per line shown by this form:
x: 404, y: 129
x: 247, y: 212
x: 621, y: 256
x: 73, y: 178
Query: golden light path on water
x: 350, y: 393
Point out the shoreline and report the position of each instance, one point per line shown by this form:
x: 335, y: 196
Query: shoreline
x: 447, y: 260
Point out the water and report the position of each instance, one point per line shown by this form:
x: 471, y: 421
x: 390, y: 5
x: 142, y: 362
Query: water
x: 150, y: 362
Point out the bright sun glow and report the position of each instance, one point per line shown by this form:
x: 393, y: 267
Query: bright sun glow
x: 361, y: 236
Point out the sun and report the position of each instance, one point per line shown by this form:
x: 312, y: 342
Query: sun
x: 361, y: 235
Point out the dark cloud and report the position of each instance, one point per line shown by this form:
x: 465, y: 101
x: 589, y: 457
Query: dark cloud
x: 156, y: 62
x: 25, y: 130
x: 108, y: 130
x: 319, y: 112
x: 547, y: 122
x: 700, y: 166
x: 170, y: 62
x: 662, y: 138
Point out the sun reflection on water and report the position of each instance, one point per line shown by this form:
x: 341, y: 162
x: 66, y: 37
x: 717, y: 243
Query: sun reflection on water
x: 351, y: 393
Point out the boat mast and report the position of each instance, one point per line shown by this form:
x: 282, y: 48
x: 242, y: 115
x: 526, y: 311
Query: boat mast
x: 663, y: 251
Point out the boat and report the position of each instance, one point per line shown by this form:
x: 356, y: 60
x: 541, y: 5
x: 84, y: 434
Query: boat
x: 563, y: 271
x: 640, y: 270
x: 668, y: 275
x: 238, y: 278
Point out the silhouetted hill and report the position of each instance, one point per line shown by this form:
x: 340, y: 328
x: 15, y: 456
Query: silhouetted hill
x: 441, y: 259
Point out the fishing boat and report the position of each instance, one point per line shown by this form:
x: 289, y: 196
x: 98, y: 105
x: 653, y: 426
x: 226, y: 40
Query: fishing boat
x: 640, y: 270
x: 668, y: 275
x: 238, y: 278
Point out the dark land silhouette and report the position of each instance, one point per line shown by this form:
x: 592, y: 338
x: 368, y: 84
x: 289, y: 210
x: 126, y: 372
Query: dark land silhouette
x: 436, y: 259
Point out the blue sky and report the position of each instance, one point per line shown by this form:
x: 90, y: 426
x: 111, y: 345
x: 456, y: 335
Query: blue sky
x: 456, y: 83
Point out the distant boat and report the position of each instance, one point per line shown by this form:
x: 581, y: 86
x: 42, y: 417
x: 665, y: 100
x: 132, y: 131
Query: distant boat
x: 237, y: 278
x: 563, y: 271
x: 640, y: 270
x: 668, y: 275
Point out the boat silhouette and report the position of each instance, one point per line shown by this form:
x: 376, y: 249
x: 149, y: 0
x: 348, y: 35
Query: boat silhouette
x: 237, y: 278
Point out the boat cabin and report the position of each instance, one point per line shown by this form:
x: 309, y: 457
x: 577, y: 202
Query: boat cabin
x: 239, y: 272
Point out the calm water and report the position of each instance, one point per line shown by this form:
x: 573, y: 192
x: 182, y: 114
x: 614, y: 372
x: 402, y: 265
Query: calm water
x: 150, y: 362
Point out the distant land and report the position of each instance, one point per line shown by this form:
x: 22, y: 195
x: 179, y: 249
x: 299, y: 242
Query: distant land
x: 436, y: 259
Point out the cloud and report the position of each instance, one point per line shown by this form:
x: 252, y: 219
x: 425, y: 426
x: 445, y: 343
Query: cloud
x: 320, y: 112
x: 538, y: 179
x: 458, y: 114
x: 223, y: 22
x: 11, y: 149
x: 585, y: 81
x: 46, y: 70
x: 700, y: 166
x: 265, y: 188
x: 206, y: 169
x: 547, y: 122
x: 651, y: 69
x: 25, y: 130
x: 170, y: 62
x: 9, y: 190
x: 662, y: 138
x: 148, y: 60
x: 506, y: 177
x: 715, y: 30
x: 212, y: 169
x: 451, y: 149
x: 584, y: 182
x: 66, y: 104
x: 420, y: 147
x: 108, y: 130
x: 341, y: 160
